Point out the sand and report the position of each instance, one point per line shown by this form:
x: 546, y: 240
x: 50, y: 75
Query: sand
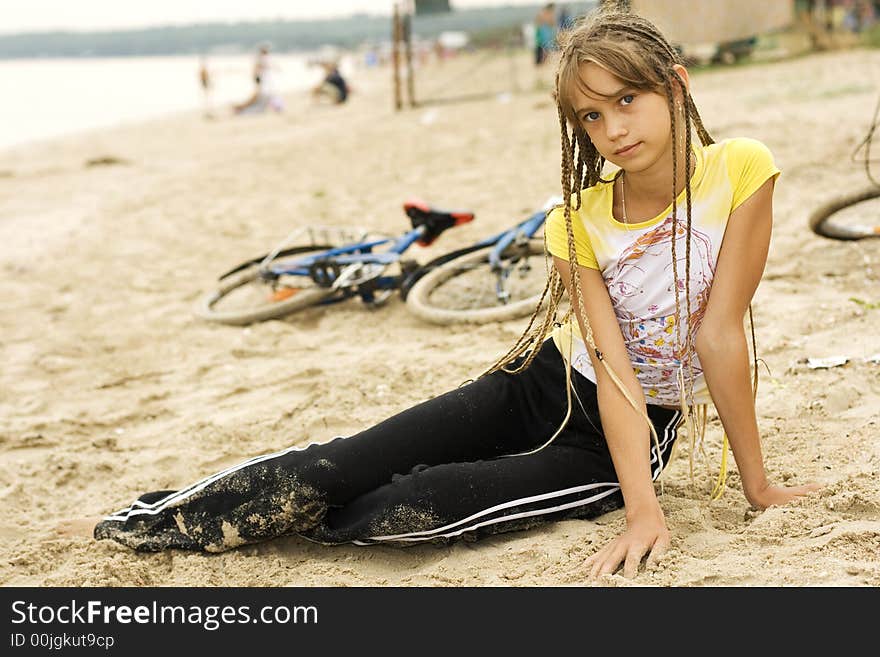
x: 111, y: 387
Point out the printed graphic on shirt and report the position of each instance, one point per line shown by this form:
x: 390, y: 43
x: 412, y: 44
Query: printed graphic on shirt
x: 644, y: 301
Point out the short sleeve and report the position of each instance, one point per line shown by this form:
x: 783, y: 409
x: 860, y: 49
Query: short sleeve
x: 750, y: 164
x: 557, y: 239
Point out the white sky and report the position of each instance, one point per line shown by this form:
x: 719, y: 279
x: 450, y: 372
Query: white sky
x: 44, y: 15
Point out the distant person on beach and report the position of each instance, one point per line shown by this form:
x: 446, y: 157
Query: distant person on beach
x: 659, y: 254
x: 265, y: 94
x: 545, y: 32
x: 207, y: 87
x: 333, y: 86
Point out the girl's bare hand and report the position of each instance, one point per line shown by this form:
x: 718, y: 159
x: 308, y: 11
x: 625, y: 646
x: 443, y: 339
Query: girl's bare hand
x: 779, y: 495
x: 643, y: 535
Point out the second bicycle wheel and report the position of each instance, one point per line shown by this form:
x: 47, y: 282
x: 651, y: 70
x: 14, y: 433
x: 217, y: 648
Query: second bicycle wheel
x: 248, y: 295
x: 844, y: 217
x: 465, y: 289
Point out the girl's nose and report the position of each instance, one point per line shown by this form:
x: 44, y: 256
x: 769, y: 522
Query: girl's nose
x: 615, y: 128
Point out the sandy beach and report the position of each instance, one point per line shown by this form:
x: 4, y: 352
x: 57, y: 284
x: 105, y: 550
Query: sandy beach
x: 110, y: 387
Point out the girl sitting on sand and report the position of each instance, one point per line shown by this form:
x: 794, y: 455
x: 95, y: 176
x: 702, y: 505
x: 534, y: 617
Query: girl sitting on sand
x: 580, y: 416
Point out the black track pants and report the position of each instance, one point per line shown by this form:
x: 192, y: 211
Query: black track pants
x: 450, y: 467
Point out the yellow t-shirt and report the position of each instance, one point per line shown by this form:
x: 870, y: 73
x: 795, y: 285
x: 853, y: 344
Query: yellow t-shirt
x: 636, y: 262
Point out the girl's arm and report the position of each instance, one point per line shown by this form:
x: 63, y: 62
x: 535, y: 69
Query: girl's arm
x: 721, y: 343
x: 626, y: 433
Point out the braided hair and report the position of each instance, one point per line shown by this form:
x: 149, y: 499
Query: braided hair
x: 634, y: 50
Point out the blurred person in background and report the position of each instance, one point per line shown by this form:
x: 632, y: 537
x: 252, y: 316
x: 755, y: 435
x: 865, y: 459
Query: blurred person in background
x: 207, y: 85
x: 333, y: 86
x: 265, y: 95
x: 545, y: 32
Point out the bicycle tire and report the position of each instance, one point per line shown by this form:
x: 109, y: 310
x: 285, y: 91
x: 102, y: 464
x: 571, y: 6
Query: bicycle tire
x: 420, y: 303
x: 206, y: 309
x: 413, y: 277
x: 819, y: 219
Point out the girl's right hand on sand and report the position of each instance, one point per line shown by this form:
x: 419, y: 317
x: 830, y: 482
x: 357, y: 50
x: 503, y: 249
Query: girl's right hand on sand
x: 643, y: 535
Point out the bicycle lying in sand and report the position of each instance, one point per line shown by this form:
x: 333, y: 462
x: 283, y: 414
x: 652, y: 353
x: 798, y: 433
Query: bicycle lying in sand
x: 833, y: 219
x: 499, y: 278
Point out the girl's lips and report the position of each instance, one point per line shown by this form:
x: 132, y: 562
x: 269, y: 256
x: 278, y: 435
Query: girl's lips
x: 629, y: 151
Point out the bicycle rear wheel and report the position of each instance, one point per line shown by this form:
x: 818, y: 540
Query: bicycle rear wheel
x: 247, y: 295
x: 834, y: 221
x: 464, y: 289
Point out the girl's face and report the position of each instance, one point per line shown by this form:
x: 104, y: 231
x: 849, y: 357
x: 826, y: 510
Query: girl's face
x: 629, y: 128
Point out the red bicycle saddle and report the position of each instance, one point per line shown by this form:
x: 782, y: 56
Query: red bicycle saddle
x: 435, y: 221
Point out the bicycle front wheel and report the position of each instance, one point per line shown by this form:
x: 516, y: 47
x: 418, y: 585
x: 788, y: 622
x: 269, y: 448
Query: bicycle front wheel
x: 248, y: 296
x: 465, y: 290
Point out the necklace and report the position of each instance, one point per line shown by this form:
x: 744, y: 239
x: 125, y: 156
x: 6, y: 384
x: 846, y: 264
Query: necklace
x: 623, y: 198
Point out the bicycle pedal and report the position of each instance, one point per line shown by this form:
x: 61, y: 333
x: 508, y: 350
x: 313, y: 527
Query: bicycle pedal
x: 324, y: 272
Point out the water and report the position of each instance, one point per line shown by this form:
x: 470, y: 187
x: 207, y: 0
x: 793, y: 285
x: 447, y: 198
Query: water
x: 46, y: 98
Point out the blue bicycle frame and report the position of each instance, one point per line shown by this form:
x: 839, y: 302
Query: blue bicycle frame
x: 352, y: 254
x: 522, y: 231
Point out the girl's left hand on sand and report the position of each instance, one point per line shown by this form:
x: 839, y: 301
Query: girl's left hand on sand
x: 779, y: 495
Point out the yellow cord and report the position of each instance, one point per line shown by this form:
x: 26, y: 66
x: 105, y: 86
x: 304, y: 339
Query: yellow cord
x: 718, y: 490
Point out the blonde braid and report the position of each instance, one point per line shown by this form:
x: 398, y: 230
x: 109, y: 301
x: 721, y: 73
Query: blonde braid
x: 637, y: 52
x: 686, y: 387
x: 581, y: 165
x: 705, y: 137
x: 575, y: 285
x: 531, y: 338
x: 686, y: 417
x: 687, y: 279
